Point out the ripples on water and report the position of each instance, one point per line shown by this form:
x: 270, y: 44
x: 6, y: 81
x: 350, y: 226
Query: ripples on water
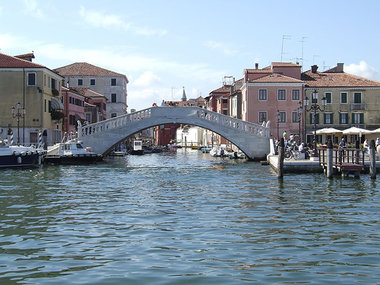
x: 185, y: 218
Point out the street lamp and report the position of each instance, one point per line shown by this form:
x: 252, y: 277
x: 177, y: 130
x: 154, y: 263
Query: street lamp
x: 299, y: 119
x: 315, y: 107
x: 20, y: 113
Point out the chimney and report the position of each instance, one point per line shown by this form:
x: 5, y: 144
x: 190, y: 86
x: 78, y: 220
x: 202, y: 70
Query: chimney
x: 314, y: 68
x: 256, y: 65
x: 339, y: 67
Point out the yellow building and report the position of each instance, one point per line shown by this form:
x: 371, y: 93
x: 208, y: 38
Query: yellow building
x: 30, y: 97
x: 350, y: 101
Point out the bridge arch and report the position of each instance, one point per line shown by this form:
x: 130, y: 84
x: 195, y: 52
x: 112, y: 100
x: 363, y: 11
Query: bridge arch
x: 252, y: 139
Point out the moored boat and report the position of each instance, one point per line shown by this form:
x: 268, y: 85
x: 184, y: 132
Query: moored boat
x: 71, y: 152
x: 17, y: 156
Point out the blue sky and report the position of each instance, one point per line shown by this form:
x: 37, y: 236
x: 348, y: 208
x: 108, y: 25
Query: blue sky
x: 162, y: 45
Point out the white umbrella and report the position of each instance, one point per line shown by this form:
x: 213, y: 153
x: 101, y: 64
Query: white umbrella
x: 356, y: 131
x: 377, y: 131
x: 328, y: 131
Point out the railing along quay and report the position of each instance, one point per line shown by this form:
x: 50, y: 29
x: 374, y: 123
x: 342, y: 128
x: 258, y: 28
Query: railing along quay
x: 345, y: 161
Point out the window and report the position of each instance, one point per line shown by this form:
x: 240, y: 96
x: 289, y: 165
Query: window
x: 31, y: 79
x: 295, y: 117
x: 113, y: 97
x: 343, y: 118
x: 281, y: 94
x: 328, y: 97
x: 72, y: 120
x: 358, y: 118
x: 357, y: 97
x: 263, y: 94
x: 44, y: 79
x: 45, y: 105
x: 225, y: 112
x: 80, y: 82
x: 53, y: 84
x: 92, y: 81
x: 113, y: 115
x: 328, y: 118
x: 49, y: 81
x: 295, y: 94
x: 225, y: 101
x: 262, y: 117
x: 312, y: 118
x: 343, y: 98
x: 113, y: 81
x: 282, y: 117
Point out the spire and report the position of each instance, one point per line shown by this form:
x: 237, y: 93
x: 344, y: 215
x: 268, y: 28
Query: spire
x: 184, y: 95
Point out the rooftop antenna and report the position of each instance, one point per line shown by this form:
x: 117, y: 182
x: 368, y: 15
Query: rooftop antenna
x: 324, y: 66
x: 284, y: 37
x: 302, y: 41
x: 314, y: 57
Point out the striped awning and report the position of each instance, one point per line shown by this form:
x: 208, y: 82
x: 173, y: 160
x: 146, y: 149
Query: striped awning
x: 56, y: 104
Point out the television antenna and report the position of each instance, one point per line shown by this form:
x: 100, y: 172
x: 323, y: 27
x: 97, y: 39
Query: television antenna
x: 284, y: 37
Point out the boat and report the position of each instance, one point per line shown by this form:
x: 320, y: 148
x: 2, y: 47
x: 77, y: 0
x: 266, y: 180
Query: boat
x: 17, y: 156
x: 137, y: 148
x: 71, y: 152
x: 237, y: 155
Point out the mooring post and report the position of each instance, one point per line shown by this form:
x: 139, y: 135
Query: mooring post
x: 372, y: 159
x: 329, y: 169
x: 281, y: 156
x: 357, y: 153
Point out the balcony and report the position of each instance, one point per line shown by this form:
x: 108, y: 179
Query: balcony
x: 358, y: 106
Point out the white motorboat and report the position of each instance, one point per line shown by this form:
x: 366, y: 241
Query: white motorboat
x: 14, y: 156
x: 71, y: 152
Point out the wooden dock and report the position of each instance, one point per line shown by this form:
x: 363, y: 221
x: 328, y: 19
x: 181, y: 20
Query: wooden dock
x: 349, y: 162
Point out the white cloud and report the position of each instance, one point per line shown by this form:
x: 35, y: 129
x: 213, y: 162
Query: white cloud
x: 220, y: 47
x: 362, y: 69
x: 147, y: 79
x: 7, y: 41
x: 32, y: 9
x: 103, y: 20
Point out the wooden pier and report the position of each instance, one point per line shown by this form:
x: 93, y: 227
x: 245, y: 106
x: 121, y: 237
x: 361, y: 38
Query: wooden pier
x: 344, y: 161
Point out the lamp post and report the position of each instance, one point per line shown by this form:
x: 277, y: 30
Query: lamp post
x: 315, y: 107
x: 299, y: 119
x: 18, y: 112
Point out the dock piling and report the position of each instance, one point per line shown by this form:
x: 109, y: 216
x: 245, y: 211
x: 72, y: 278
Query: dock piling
x: 281, y: 156
x: 372, y: 160
x: 330, y: 162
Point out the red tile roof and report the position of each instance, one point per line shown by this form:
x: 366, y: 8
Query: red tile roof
x: 333, y: 79
x: 85, y: 91
x: 7, y: 61
x: 85, y: 69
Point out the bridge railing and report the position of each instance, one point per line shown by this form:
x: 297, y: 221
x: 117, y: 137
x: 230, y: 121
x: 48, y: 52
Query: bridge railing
x: 203, y: 114
x: 251, y: 128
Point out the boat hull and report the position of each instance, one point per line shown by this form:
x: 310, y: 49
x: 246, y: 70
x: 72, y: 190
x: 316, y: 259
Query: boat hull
x: 16, y: 161
x: 72, y: 159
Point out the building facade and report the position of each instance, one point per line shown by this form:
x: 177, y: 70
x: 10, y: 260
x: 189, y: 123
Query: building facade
x: 274, y: 94
x: 351, y: 100
x: 37, y: 89
x: 111, y: 84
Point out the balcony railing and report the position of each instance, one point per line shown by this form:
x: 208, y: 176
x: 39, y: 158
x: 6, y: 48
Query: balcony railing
x: 358, y: 106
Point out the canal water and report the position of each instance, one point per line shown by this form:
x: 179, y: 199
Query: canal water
x: 186, y: 218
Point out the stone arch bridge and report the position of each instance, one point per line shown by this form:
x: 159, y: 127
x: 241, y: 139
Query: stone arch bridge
x: 252, y: 139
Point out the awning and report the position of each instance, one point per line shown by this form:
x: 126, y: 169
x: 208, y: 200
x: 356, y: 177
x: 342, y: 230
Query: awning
x: 356, y: 131
x: 56, y: 104
x: 79, y: 116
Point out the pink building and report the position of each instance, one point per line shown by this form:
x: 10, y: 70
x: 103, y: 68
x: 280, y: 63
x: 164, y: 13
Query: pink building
x: 274, y: 94
x: 74, y: 109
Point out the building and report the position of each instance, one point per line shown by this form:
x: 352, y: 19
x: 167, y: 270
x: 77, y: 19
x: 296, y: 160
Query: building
x: 95, y: 105
x: 35, y: 93
x: 351, y: 100
x: 73, y: 111
x: 111, y: 84
x: 273, y: 94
